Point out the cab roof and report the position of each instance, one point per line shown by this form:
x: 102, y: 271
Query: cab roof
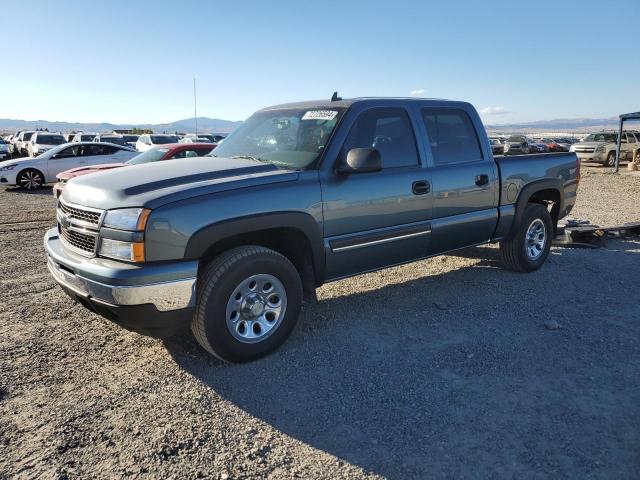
x: 347, y: 102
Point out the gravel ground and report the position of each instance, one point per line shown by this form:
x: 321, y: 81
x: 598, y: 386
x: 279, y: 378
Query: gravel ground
x: 450, y: 367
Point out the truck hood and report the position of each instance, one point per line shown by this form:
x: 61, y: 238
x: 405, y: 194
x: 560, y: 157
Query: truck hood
x: 158, y: 183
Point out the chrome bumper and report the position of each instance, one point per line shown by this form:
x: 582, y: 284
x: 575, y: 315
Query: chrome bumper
x: 165, y: 295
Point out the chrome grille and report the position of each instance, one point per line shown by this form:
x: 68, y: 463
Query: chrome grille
x: 89, y: 216
x: 585, y: 149
x: 83, y: 242
x: 79, y: 227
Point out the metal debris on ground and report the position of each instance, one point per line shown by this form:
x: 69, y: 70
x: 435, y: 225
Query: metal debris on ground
x: 581, y: 234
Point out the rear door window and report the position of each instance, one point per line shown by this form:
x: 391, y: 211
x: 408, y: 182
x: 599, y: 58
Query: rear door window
x: 452, y: 136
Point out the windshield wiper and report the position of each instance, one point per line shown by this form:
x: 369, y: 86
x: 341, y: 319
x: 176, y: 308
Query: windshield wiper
x: 249, y: 157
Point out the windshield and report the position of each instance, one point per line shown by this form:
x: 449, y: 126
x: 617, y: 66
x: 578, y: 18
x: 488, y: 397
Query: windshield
x: 602, y: 137
x: 516, y: 138
x: 87, y: 138
x: 292, y: 138
x: 130, y: 138
x: 51, y: 139
x: 163, y: 139
x: 27, y: 136
x: 151, y: 155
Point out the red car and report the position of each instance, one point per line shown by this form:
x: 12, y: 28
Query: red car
x: 552, y: 145
x: 169, y: 151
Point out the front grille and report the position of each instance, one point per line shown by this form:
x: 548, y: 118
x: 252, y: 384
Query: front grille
x: 78, y: 213
x: 80, y: 241
x: 585, y: 149
x: 79, y: 227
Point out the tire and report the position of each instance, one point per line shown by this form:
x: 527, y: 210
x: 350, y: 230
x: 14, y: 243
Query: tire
x: 30, y: 179
x: 611, y: 160
x: 523, y: 251
x: 225, y: 321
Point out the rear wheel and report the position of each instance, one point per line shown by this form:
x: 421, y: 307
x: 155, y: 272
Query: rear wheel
x: 528, y: 246
x: 249, y: 299
x: 30, y: 179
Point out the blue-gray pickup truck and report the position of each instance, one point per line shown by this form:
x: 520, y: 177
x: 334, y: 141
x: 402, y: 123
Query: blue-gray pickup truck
x: 299, y: 195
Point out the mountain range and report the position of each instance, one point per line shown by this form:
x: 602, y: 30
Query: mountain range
x: 211, y: 125
x: 205, y: 125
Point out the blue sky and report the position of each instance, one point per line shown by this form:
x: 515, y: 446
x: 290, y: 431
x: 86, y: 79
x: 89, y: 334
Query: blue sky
x: 134, y: 61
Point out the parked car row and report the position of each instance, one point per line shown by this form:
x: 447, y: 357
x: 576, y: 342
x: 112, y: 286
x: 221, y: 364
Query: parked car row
x: 522, y: 145
x: 33, y: 143
x: 596, y: 147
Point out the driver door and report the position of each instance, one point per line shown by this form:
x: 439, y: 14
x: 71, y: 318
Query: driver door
x: 379, y: 218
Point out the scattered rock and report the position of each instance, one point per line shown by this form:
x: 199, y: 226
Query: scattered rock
x: 441, y: 306
x: 551, y: 325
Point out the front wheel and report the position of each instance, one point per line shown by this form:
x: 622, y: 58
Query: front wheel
x: 249, y: 300
x: 30, y: 179
x: 529, y: 244
x: 611, y: 159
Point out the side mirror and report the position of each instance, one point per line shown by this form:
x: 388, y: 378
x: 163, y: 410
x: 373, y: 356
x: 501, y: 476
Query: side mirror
x: 362, y: 160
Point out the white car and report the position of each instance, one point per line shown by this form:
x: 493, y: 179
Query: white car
x: 41, y: 142
x: 145, y: 142
x: 4, y: 149
x: 131, y: 139
x: 84, y: 137
x: 33, y: 173
x: 109, y: 138
x: 20, y: 145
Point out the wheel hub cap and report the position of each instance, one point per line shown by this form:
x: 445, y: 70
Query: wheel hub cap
x: 535, y: 239
x: 256, y: 308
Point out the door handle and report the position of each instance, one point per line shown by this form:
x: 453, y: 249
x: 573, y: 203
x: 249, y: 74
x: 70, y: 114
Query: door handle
x: 420, y: 187
x: 482, y: 179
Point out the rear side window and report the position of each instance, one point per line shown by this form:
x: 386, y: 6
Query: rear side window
x: 98, y: 149
x: 452, y: 136
x: 389, y: 131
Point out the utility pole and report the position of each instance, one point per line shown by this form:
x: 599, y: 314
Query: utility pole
x: 195, y: 107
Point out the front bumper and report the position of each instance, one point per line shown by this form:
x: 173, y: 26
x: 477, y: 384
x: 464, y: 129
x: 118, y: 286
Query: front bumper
x: 153, y: 299
x: 591, y: 156
x: 8, y: 177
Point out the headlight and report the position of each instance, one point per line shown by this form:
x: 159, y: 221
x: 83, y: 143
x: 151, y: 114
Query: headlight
x: 116, y: 249
x: 130, y: 219
x: 600, y: 148
x: 6, y: 168
x: 133, y: 219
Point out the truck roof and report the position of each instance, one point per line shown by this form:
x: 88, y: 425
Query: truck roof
x: 347, y: 102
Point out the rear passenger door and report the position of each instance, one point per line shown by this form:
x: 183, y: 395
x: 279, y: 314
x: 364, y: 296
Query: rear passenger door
x: 98, y: 154
x: 376, y: 219
x: 464, y: 181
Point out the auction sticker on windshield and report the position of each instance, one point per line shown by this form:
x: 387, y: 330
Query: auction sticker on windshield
x: 320, y: 115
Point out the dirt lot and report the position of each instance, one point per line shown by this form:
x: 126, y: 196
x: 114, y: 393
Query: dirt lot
x: 440, y: 368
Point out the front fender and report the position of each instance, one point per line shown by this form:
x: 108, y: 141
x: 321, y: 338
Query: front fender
x: 203, y: 239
